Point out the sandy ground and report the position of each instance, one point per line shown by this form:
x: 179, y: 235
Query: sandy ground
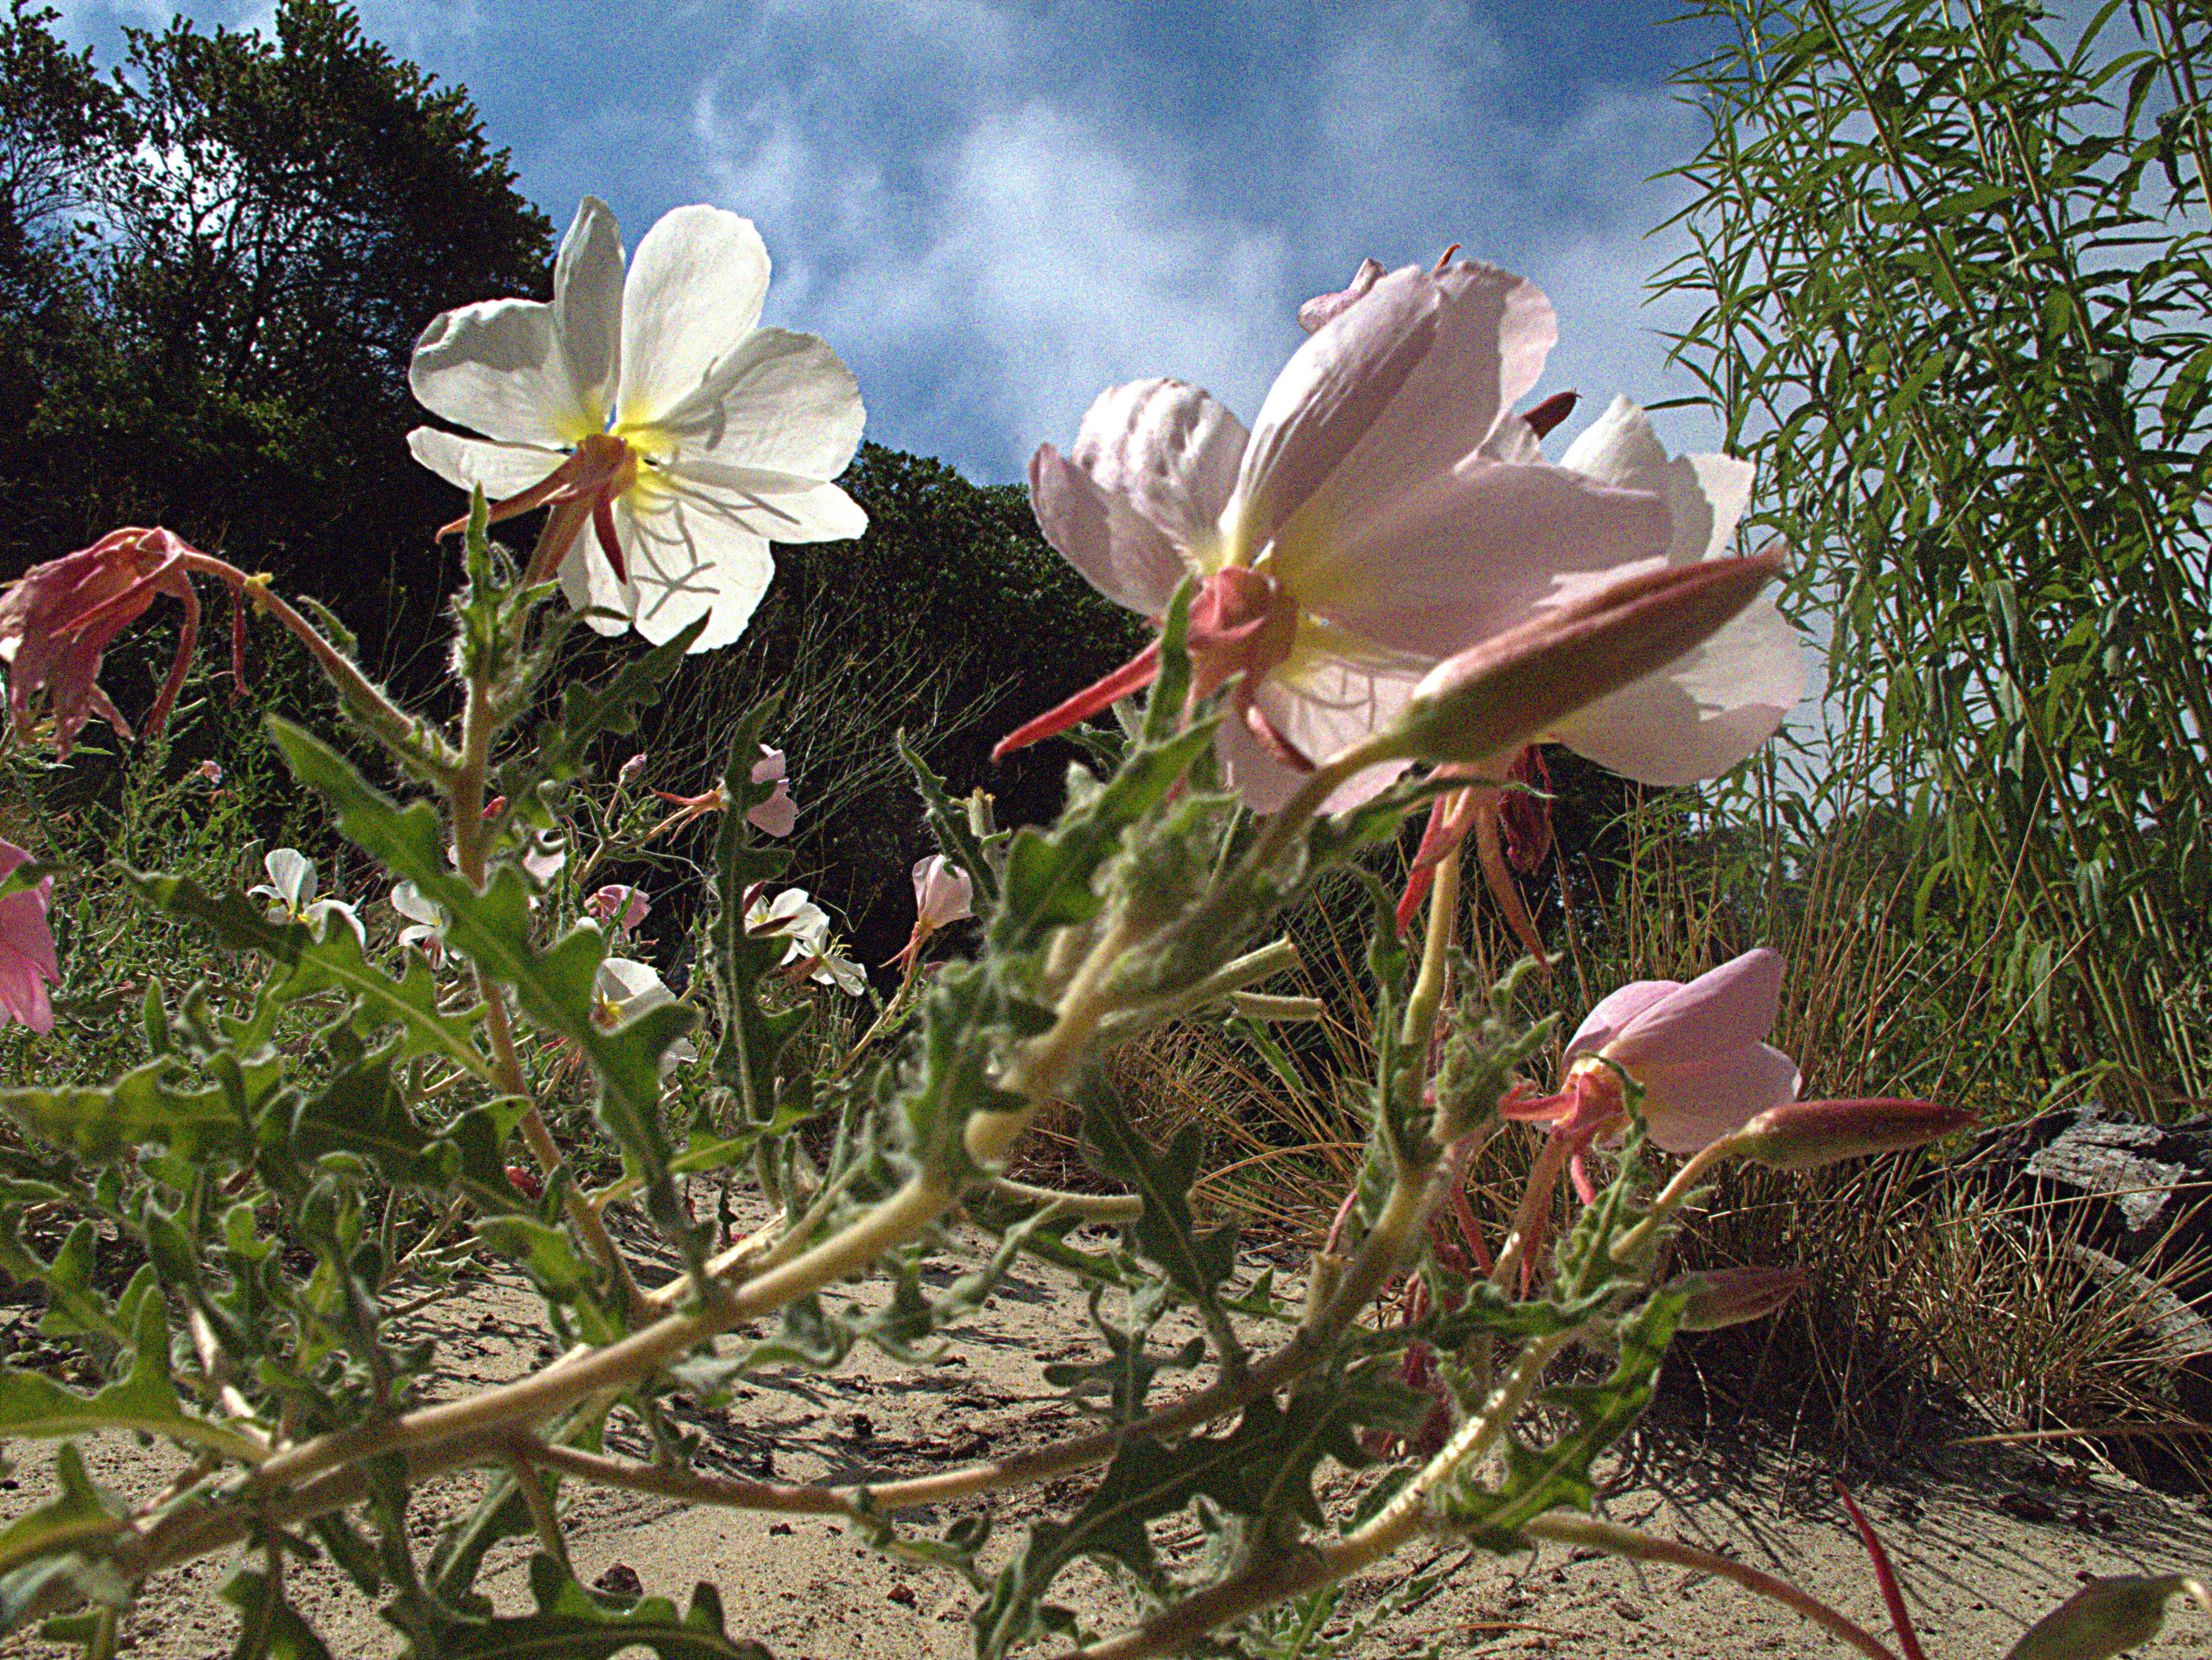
x: 1986, y: 1541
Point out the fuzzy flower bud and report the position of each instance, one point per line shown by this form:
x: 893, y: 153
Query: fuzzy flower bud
x: 2106, y: 1617
x: 1732, y: 1297
x: 1806, y: 1134
x: 1502, y: 692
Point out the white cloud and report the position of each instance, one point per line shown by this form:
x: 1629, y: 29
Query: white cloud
x: 996, y: 211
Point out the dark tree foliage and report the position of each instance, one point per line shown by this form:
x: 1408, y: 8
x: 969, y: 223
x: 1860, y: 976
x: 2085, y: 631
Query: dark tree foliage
x: 227, y: 254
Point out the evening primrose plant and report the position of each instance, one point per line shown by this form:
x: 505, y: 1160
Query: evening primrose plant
x: 1305, y: 696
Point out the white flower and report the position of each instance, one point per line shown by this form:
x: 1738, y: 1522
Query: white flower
x: 654, y: 409
x: 427, y: 918
x: 798, y: 919
x: 627, y: 989
x: 291, y: 889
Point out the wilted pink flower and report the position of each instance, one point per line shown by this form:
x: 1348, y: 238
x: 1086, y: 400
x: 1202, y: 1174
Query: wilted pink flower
x: 1695, y: 1049
x: 208, y: 771
x: 1387, y: 510
x: 27, y: 963
x: 632, y: 769
x: 59, y: 618
x: 942, y: 894
x: 618, y: 905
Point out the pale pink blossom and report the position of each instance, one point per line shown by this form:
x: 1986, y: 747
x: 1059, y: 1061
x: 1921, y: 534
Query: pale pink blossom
x: 28, y: 962
x: 1697, y: 1050
x: 58, y: 620
x: 776, y: 815
x: 208, y: 771
x: 943, y: 894
x: 651, y: 408
x: 1387, y: 510
x: 619, y: 906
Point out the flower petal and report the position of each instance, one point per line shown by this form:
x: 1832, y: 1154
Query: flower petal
x: 683, y: 562
x: 1705, y: 494
x: 777, y: 400
x: 778, y: 506
x: 1474, y: 553
x: 1167, y: 450
x: 503, y: 469
x: 495, y: 367
x: 1120, y: 553
x: 1688, y: 1105
x: 1323, y: 710
x: 1329, y: 397
x: 1614, y: 1012
x: 694, y: 293
x: 1493, y: 331
x: 1703, y: 714
x: 587, y: 309
x: 1727, y: 1008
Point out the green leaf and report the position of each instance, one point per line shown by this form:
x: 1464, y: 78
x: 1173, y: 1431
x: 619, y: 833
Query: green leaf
x: 556, y: 986
x: 144, y: 1400
x: 268, y: 1624
x: 141, y: 1109
x: 573, y: 1623
x: 409, y: 1002
x: 589, y: 713
x: 81, y: 1512
x: 1195, y: 1263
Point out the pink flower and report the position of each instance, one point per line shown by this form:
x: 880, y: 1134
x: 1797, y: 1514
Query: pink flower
x: 942, y: 894
x: 632, y: 769
x: 1386, y: 509
x: 27, y: 963
x: 618, y: 905
x: 1695, y: 1049
x: 208, y: 771
x: 58, y: 619
x: 776, y: 815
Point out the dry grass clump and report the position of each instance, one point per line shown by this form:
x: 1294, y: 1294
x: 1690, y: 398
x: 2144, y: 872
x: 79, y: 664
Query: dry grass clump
x: 1937, y: 1301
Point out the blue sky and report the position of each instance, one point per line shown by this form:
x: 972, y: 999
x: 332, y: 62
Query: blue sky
x: 994, y: 208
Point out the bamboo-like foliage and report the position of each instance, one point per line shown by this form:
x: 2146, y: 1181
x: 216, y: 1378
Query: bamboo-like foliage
x: 1955, y: 269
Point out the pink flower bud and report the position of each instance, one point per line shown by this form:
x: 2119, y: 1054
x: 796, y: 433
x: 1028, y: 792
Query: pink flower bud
x: 1731, y: 1296
x: 1806, y: 1134
x: 1502, y: 692
x: 632, y: 769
